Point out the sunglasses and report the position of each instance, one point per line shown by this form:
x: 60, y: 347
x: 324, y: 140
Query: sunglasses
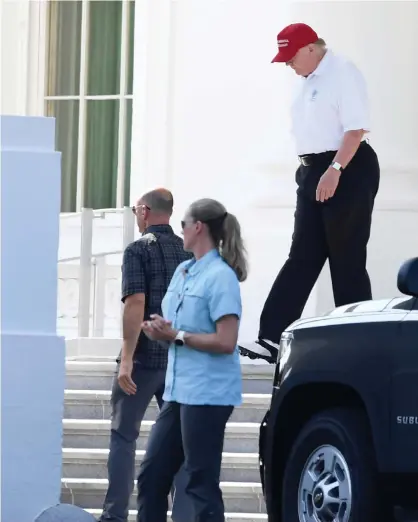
x: 135, y: 208
x: 185, y: 223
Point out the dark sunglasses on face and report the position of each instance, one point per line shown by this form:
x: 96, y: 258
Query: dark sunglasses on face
x: 185, y: 223
x: 134, y: 208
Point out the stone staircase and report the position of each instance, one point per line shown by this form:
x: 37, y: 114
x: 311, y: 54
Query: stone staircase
x: 86, y: 436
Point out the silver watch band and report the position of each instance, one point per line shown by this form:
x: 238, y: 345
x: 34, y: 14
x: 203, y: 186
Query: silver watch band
x: 337, y: 166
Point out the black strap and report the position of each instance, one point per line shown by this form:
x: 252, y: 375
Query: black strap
x: 163, y: 267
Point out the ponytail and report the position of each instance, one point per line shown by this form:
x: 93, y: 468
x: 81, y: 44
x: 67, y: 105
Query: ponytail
x: 225, y: 231
x: 232, y: 247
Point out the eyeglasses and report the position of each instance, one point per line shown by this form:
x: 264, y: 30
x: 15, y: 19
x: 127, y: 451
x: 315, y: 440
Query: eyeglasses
x: 134, y: 208
x: 185, y: 224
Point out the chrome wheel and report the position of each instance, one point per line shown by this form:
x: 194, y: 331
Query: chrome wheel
x: 324, y: 493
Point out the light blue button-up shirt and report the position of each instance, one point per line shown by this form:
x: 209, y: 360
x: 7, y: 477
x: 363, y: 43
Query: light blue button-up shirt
x: 200, y: 293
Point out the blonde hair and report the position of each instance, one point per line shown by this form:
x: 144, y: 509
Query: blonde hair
x: 225, y: 231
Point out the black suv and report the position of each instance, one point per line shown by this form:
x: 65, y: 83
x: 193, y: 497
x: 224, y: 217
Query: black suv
x: 340, y: 440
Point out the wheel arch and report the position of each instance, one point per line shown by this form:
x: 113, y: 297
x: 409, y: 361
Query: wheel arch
x: 307, y: 400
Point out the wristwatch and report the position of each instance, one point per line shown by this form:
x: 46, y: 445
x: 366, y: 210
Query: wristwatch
x: 337, y: 166
x: 179, y: 339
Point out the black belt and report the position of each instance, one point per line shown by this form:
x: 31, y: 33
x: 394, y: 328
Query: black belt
x: 309, y: 159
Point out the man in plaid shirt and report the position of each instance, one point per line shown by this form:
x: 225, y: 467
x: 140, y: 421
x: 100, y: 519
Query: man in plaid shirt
x: 148, y: 266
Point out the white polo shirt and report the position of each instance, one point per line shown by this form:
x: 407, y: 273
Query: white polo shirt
x: 330, y: 101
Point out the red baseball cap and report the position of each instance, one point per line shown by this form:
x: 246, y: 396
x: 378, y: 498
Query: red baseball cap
x: 291, y: 39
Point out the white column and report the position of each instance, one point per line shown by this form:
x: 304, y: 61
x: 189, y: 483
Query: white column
x: 381, y: 38
x: 32, y: 355
x: 23, y: 56
x: 14, y: 56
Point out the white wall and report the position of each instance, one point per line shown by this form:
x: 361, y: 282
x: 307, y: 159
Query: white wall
x: 225, y: 123
x: 221, y: 125
x: 381, y: 38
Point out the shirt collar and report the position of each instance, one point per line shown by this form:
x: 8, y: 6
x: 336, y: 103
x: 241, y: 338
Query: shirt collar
x: 162, y: 229
x: 323, y: 64
x: 196, y: 266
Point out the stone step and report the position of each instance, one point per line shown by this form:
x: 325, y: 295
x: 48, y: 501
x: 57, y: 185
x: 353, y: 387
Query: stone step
x: 95, y: 404
x: 98, y: 375
x: 240, y: 437
x: 229, y: 517
x: 92, y: 463
x: 239, y: 497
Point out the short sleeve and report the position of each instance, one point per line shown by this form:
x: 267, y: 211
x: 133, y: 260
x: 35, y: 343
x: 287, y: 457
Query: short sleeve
x: 353, y: 102
x: 133, y: 273
x: 224, y: 295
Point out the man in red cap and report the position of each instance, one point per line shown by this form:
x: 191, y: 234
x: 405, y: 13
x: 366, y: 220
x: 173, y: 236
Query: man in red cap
x: 293, y: 39
x: 338, y: 178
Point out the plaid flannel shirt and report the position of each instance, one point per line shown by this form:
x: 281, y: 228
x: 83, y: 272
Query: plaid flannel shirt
x: 148, y: 266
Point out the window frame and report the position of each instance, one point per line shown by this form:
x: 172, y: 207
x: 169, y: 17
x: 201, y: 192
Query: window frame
x: 83, y: 97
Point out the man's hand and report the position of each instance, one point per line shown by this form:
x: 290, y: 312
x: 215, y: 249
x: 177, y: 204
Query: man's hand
x: 125, y: 377
x: 327, y: 184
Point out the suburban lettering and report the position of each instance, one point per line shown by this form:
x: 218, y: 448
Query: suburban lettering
x: 407, y: 420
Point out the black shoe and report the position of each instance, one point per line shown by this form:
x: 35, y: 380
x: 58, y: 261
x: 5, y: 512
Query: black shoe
x: 261, y: 349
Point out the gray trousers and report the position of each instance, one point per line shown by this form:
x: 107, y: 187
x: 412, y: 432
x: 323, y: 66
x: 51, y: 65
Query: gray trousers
x: 127, y: 414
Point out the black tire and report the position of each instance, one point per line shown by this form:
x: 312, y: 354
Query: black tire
x: 348, y: 431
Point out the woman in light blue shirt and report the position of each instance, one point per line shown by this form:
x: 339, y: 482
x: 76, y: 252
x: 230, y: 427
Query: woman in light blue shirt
x: 202, y: 311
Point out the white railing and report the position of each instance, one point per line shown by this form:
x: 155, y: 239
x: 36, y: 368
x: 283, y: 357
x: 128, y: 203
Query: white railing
x: 90, y: 272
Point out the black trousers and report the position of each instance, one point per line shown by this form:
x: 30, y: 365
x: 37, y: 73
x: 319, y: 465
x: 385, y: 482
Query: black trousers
x: 337, y: 230
x: 193, y: 435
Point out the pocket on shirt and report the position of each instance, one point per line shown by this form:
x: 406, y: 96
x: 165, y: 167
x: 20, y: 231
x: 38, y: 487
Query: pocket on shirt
x: 194, y: 314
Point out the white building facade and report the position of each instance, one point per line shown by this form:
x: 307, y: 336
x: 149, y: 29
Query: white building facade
x: 182, y: 93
